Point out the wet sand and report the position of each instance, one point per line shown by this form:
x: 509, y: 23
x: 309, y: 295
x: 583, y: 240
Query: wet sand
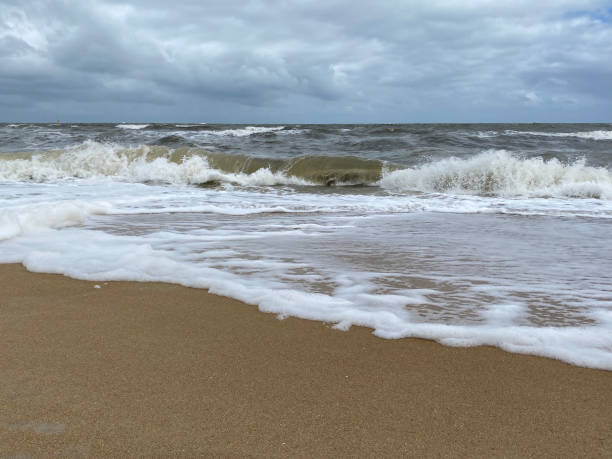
x: 158, y: 370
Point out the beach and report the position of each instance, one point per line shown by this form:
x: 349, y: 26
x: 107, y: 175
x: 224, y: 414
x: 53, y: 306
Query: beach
x: 305, y: 229
x: 126, y: 369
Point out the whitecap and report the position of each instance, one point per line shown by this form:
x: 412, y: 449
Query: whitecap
x: 498, y: 172
x: 592, y: 135
x: 132, y: 126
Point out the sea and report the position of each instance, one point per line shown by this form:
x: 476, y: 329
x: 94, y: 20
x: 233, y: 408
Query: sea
x: 467, y: 234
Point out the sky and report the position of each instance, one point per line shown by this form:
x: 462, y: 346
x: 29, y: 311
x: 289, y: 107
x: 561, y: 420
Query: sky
x: 301, y: 61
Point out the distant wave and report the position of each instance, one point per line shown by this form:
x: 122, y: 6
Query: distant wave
x: 173, y: 140
x: 132, y: 126
x: 246, y: 131
x: 590, y: 135
x: 486, y: 134
x: 203, y: 130
x: 593, y: 135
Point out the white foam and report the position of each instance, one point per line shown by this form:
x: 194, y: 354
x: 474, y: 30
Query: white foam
x: 603, y: 316
x: 104, y: 257
x: 93, y: 159
x: 196, y: 170
x: 583, y: 346
x: 99, y: 168
x: 246, y: 131
x: 500, y: 314
x: 215, y: 209
x: 237, y: 132
x: 315, y: 256
x: 132, y: 126
x: 486, y: 134
x: 499, y: 172
x: 493, y: 173
x: 389, y: 261
x: 19, y: 220
x: 592, y: 135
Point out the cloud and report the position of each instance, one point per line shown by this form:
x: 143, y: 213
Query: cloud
x: 256, y: 61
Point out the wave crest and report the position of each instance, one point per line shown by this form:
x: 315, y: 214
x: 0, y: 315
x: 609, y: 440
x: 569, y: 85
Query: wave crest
x: 494, y: 172
x: 497, y: 172
x: 591, y: 135
x: 160, y: 163
x: 132, y: 126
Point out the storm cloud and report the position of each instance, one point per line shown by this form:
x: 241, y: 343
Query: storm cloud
x: 306, y: 61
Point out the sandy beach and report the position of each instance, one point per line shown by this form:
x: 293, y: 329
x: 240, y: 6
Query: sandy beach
x: 121, y: 369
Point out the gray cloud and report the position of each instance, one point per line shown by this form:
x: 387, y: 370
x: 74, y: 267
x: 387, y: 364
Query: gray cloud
x: 281, y: 61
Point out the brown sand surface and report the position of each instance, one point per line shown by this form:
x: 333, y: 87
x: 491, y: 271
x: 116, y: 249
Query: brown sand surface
x: 157, y: 370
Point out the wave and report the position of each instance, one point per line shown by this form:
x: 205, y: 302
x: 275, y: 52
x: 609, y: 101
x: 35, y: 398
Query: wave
x: 160, y: 163
x: 592, y: 135
x: 132, y: 126
x: 497, y: 172
x: 491, y: 173
x: 486, y: 134
x: 173, y: 140
x: 207, y: 131
x: 246, y: 131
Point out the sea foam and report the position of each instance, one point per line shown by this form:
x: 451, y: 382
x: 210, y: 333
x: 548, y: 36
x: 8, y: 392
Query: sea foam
x: 248, y: 130
x: 132, y: 126
x: 591, y: 135
x: 19, y: 220
x: 106, y: 257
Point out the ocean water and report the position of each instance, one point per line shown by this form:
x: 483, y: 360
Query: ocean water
x: 466, y: 234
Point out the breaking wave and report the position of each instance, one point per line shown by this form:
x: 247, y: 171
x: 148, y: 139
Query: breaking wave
x: 249, y: 130
x: 589, y: 135
x: 132, y: 126
x: 592, y: 135
x: 497, y: 172
x: 160, y: 163
x: 206, y: 131
x: 491, y: 173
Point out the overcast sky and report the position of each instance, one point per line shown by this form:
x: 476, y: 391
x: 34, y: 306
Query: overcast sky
x: 306, y: 61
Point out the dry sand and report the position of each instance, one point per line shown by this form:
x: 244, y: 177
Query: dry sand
x: 157, y: 370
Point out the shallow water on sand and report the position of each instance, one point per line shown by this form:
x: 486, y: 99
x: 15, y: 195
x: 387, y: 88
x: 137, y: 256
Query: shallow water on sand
x: 467, y: 234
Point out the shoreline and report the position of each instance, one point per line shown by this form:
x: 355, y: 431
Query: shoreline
x: 152, y: 369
